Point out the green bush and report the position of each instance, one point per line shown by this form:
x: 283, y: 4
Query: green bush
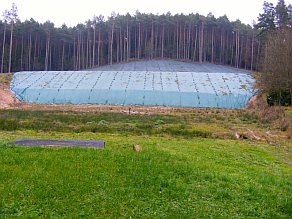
x: 102, y: 123
x: 282, y: 97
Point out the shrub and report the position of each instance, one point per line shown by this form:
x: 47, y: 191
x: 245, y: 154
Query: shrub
x: 102, y: 123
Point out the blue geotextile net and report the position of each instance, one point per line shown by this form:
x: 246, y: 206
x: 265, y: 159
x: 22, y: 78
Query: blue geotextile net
x: 151, y: 88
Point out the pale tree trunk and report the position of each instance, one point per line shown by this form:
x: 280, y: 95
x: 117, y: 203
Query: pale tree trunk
x: 189, y: 42
x: 98, y: 47
x: 69, y: 53
x: 252, y: 47
x: 82, y: 51
x: 47, y: 52
x: 201, y: 43
x: 93, y: 49
x: 156, y: 42
x: 147, y: 54
x: 246, y: 48
x: 135, y: 53
x: 162, y: 42
x: 177, y: 42
x: 74, y: 53
x: 258, y: 55
x: 87, y: 49
x: 152, y: 41
x: 3, y: 49
x: 21, y: 54
x: 237, y: 50
x: 232, y: 47
x: 29, y: 52
x: 34, y: 55
x: 128, y: 46
x: 79, y: 50
x: 180, y: 42
x: 121, y: 45
x: 125, y: 46
x: 221, y: 46
x: 13, y: 14
x: 139, y: 41
x: 112, y: 39
x: 118, y: 46
x: 212, y: 45
x: 196, y: 39
x: 63, y: 53
x: 184, y: 43
x: 50, y: 59
x: 240, y: 55
x: 90, y: 57
x: 10, y: 49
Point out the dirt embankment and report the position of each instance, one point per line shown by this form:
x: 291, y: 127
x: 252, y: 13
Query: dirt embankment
x: 6, y: 97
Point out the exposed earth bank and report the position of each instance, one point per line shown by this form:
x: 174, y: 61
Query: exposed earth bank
x: 6, y: 97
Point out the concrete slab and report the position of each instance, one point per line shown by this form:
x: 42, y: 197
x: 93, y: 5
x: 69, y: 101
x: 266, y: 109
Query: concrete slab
x: 59, y: 143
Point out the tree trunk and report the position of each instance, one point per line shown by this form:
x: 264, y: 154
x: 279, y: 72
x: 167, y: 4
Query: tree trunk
x: 189, y: 42
x: 152, y: 41
x: 87, y: 49
x: 29, y: 52
x: 63, y: 54
x: 139, y: 42
x: 112, y: 39
x: 201, y: 43
x: 50, y: 58
x: 10, y: 50
x: 34, y: 55
x: 98, y: 48
x: 246, y: 54
x: 196, y: 39
x: 128, y: 43
x: 252, y: 45
x: 156, y: 42
x: 93, y: 49
x: 212, y: 61
x: 162, y: 42
x: 21, y: 54
x: 177, y: 42
x: 231, y: 60
x: 3, y: 48
x: 118, y: 46
x: 47, y: 51
x: 121, y: 45
x: 74, y: 53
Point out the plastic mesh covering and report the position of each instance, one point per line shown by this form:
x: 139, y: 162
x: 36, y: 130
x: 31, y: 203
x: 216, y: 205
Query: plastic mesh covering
x: 169, y: 66
x: 114, y: 86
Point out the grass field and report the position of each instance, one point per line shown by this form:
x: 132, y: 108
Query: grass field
x: 191, y: 166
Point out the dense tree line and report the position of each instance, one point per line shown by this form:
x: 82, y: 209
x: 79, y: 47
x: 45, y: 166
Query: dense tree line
x: 275, y: 26
x: 30, y: 45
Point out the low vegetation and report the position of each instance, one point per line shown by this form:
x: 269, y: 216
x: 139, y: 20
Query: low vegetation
x: 5, y: 78
x: 194, y: 163
x: 167, y: 179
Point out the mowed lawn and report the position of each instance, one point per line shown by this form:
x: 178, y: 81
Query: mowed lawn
x: 172, y: 177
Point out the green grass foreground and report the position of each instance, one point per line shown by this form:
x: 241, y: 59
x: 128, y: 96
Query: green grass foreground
x: 174, y: 176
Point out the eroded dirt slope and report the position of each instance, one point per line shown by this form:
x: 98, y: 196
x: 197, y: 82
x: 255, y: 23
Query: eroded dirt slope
x: 6, y: 97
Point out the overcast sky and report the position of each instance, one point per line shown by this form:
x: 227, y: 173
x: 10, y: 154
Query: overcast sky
x: 73, y: 12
